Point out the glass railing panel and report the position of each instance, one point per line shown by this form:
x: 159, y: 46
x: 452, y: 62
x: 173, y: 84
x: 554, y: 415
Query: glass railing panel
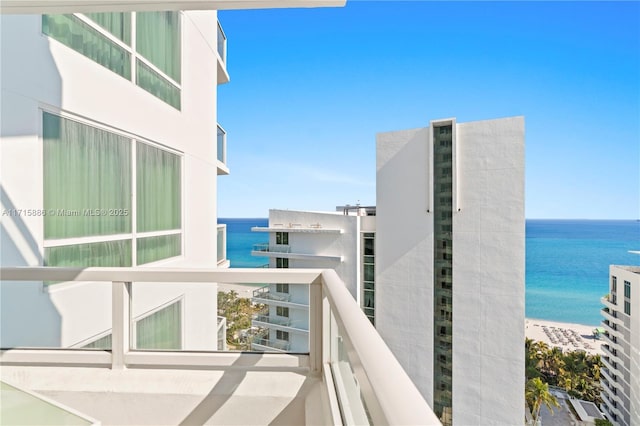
x: 266, y: 318
x: 222, y: 44
x: 222, y: 243
x: 56, y: 315
x: 174, y: 317
x: 352, y: 407
x: 222, y: 145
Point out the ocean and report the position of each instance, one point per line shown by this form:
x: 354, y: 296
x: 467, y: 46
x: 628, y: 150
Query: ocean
x: 567, y: 262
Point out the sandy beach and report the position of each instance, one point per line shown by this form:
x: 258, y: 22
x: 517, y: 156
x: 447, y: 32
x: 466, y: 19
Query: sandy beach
x: 569, y: 337
x: 243, y: 290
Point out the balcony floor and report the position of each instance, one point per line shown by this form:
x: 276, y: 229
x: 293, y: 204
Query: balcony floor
x: 157, y: 396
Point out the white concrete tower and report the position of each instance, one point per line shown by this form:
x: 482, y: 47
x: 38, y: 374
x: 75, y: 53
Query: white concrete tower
x: 450, y: 264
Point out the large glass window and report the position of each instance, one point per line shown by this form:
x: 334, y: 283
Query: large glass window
x: 282, y: 238
x: 88, y: 191
x: 87, y: 180
x: 118, y: 24
x: 158, y: 189
x: 158, y: 40
x: 104, y: 253
x: 627, y: 289
x: 151, y: 249
x: 81, y: 37
x: 161, y: 330
x: 442, y: 266
x: 106, y: 38
x: 282, y: 262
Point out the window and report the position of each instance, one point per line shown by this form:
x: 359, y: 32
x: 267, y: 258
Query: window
x: 614, y: 284
x: 156, y: 52
x: 101, y: 343
x: 282, y: 262
x: 627, y: 289
x: 282, y: 238
x: 627, y: 307
x: 162, y: 329
x: 282, y: 288
x: 88, y: 41
x: 281, y: 311
x: 88, y: 191
x: 282, y: 335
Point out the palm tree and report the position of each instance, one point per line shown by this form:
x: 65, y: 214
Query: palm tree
x: 537, y: 393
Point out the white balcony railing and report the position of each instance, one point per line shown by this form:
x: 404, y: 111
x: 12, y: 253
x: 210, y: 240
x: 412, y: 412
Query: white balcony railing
x: 222, y: 245
x: 223, y: 76
x: 266, y: 247
x: 358, y: 369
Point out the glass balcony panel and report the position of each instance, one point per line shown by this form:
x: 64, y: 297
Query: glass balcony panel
x: 352, y: 406
x: 222, y: 243
x: 56, y: 315
x: 222, y: 145
x: 222, y: 44
x: 161, y: 312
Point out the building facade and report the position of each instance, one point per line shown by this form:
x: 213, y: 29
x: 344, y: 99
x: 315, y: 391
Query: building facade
x: 299, y: 239
x: 106, y: 121
x: 620, y: 377
x: 449, y: 297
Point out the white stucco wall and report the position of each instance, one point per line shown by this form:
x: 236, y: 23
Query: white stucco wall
x: 39, y: 73
x: 488, y: 266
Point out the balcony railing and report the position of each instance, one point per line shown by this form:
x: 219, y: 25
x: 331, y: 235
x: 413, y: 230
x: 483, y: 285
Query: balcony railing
x: 265, y: 247
x: 222, y: 243
x: 222, y: 44
x: 281, y: 321
x: 221, y: 151
x: 360, y: 374
x: 223, y: 76
x: 265, y: 293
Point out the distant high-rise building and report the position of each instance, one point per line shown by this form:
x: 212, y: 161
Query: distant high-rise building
x: 450, y: 264
x: 621, y: 373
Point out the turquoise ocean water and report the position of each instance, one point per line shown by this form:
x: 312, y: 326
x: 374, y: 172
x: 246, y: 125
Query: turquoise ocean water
x: 567, y: 262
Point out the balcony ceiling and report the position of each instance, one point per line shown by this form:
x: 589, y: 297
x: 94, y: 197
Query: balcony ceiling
x: 85, y: 6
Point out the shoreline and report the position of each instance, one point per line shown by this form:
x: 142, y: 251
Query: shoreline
x: 565, y: 335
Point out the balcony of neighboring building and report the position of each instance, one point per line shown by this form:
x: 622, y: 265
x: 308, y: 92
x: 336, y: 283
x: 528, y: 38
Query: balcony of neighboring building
x: 611, y: 316
x: 347, y: 376
x: 612, y: 329
x: 286, y: 252
x: 223, y: 75
x: 612, y: 379
x: 276, y: 322
x: 609, y: 301
x: 611, y: 408
x: 312, y: 228
x: 221, y: 150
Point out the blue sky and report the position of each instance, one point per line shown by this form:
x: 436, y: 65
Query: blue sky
x: 310, y: 88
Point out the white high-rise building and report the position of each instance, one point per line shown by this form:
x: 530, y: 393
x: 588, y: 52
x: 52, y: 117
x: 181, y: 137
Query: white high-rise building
x: 620, y: 377
x: 341, y: 240
x: 450, y: 264
x: 105, y: 122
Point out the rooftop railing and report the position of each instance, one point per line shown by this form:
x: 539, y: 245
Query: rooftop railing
x: 358, y: 368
